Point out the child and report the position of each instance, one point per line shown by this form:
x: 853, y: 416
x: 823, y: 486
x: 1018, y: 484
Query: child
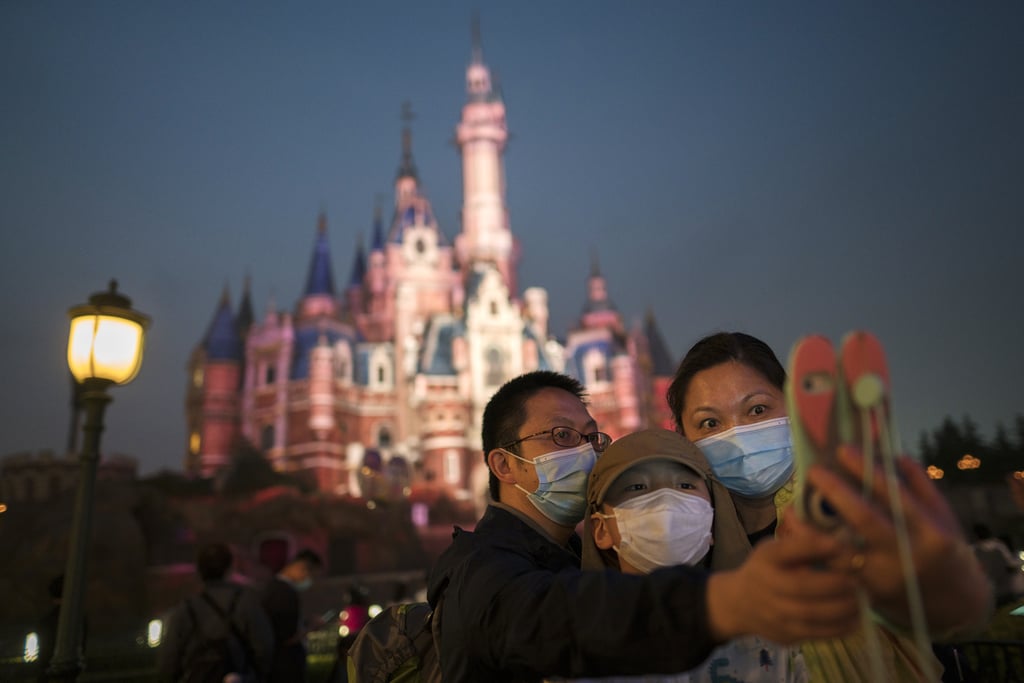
x: 653, y: 502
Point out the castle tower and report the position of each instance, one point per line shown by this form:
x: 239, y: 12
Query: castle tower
x: 481, y: 136
x: 319, y: 296
x: 222, y: 354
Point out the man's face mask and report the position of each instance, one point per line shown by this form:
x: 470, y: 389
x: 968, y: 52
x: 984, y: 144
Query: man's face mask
x: 561, y: 495
x: 752, y: 460
x: 663, y: 528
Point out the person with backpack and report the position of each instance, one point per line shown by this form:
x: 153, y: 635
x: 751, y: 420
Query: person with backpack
x: 221, y: 635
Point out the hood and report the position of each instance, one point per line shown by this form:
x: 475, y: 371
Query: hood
x: 731, y: 545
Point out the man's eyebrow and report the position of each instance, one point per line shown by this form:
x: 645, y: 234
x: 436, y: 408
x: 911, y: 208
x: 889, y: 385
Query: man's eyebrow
x: 562, y: 421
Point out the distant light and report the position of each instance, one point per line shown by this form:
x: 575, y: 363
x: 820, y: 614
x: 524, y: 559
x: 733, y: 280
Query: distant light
x: 343, y: 615
x: 420, y: 514
x: 3, y: 508
x: 1019, y: 474
x: 935, y: 472
x: 31, y: 647
x: 371, y: 505
x: 373, y: 611
x: 343, y: 630
x: 154, y: 632
x: 968, y: 462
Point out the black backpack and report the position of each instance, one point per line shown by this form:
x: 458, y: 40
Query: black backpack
x: 208, y: 659
x: 399, y: 645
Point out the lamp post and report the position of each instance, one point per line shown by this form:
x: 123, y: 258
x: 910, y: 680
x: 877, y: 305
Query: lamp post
x: 104, y: 348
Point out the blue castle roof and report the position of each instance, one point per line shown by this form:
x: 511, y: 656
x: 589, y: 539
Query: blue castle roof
x: 320, y: 280
x: 222, y: 341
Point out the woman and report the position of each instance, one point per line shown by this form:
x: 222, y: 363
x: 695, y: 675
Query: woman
x: 729, y: 390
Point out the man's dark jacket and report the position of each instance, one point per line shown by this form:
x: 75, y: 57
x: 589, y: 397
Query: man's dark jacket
x: 517, y: 607
x: 284, y: 608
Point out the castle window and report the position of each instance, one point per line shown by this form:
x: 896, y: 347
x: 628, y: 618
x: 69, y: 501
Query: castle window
x: 193, y: 443
x: 384, y: 438
x: 271, y: 374
x: 452, y: 470
x: 595, y: 368
x: 494, y: 307
x: 267, y: 437
x: 380, y: 374
x: 197, y: 377
x: 495, y: 367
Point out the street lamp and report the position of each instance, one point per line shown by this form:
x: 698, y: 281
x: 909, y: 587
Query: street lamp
x: 104, y: 348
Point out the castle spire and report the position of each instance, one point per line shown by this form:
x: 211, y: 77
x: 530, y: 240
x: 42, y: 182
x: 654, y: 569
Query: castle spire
x: 222, y: 341
x: 481, y: 135
x: 661, y: 360
x: 358, y: 264
x: 320, y: 280
x: 377, y: 242
x: 407, y: 169
x: 245, y: 314
x: 478, y: 51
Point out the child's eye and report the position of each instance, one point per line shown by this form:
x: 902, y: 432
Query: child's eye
x: 635, y: 487
x: 759, y: 409
x: 708, y: 423
x: 686, y: 485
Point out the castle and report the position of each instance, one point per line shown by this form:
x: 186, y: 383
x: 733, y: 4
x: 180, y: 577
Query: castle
x: 386, y: 379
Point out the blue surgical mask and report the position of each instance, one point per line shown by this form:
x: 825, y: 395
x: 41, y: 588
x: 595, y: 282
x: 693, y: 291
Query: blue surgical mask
x: 752, y: 460
x: 561, y: 495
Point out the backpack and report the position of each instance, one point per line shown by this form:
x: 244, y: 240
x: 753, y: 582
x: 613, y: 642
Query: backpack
x: 399, y: 645
x: 209, y: 658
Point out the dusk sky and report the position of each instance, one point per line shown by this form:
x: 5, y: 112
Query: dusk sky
x: 773, y: 167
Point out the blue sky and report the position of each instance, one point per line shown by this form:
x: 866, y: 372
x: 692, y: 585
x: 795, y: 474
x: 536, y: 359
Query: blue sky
x: 779, y: 168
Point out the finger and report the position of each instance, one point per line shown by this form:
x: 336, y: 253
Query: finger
x: 803, y: 545
x: 861, y: 516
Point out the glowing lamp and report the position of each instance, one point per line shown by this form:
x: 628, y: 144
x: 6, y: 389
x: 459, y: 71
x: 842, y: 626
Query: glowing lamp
x: 106, y: 338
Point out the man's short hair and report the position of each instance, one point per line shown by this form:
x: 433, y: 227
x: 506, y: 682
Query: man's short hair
x: 309, y: 557
x: 213, y: 561
x: 505, y: 413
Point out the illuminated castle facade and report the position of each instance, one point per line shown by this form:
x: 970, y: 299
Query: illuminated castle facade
x: 389, y: 375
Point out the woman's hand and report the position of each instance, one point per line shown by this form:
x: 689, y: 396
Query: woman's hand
x: 955, y: 592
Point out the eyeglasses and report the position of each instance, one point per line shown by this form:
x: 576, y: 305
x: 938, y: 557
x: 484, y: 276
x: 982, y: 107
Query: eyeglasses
x: 567, y: 437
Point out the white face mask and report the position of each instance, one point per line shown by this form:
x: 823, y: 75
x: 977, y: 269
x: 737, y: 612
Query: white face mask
x: 663, y: 528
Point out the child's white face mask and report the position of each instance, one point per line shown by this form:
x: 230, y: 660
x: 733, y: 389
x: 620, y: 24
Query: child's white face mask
x: 663, y: 528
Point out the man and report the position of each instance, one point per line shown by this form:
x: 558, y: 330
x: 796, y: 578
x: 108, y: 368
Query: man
x: 225, y: 618
x: 283, y: 605
x: 516, y: 607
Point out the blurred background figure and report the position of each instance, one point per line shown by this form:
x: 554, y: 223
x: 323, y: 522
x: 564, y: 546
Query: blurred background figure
x: 283, y: 604
x: 221, y: 634
x: 350, y: 622
x: 1002, y: 568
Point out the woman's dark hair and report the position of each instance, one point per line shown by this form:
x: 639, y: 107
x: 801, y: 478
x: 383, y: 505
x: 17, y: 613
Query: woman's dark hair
x: 716, y: 349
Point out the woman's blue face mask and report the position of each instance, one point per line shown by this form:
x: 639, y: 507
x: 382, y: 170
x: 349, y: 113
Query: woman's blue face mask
x: 752, y: 460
